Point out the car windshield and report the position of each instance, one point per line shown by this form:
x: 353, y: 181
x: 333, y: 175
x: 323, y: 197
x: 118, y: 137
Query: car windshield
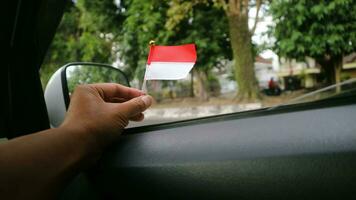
x: 250, y: 54
x: 344, y: 88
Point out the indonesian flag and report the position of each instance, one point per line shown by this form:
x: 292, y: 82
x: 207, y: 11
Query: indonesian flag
x: 170, y: 62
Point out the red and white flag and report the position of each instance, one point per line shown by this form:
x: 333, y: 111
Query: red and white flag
x: 170, y: 62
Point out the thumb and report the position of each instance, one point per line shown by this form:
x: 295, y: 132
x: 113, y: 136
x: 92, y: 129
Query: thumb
x: 135, y: 106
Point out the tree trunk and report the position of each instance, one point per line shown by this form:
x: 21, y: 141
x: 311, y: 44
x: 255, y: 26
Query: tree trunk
x: 337, y: 66
x: 202, y: 89
x: 337, y: 63
x: 192, y: 83
x: 332, y: 69
x: 243, y: 60
x: 327, y: 71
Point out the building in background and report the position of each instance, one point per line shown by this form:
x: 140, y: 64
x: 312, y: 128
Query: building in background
x: 264, y: 71
x: 294, y: 75
x: 349, y: 67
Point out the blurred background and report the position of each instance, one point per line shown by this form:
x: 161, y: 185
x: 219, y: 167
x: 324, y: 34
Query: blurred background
x: 251, y: 53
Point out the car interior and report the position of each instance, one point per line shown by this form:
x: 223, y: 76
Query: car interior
x: 297, y: 151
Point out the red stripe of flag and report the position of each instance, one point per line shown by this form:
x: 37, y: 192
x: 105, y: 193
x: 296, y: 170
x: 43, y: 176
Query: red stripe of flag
x: 182, y: 53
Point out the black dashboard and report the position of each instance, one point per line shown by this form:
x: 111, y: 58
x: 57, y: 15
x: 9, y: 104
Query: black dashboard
x: 300, y: 154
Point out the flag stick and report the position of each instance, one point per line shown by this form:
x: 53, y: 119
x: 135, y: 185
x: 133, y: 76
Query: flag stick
x: 144, y: 87
x: 144, y: 84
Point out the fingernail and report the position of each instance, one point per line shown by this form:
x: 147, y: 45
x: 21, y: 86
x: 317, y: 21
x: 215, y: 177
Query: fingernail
x: 147, y: 100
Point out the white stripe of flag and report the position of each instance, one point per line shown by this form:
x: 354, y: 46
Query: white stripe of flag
x: 168, y: 70
x: 170, y: 62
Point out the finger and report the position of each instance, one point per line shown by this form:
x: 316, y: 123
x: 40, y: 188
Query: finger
x: 112, y: 90
x: 138, y: 118
x: 135, y: 106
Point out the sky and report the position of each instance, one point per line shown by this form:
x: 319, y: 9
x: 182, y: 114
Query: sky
x: 261, y: 37
x: 262, y: 26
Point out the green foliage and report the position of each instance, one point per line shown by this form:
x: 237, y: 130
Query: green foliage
x: 77, y: 40
x: 144, y: 22
x: 314, y: 28
x: 232, y: 16
x: 104, y: 16
x: 207, y: 26
x: 64, y: 47
x: 102, y: 31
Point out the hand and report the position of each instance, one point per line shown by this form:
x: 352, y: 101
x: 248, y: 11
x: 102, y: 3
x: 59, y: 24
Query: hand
x: 101, y: 111
x: 41, y: 163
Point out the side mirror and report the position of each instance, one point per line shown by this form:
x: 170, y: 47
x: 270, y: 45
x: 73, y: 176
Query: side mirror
x: 66, y: 78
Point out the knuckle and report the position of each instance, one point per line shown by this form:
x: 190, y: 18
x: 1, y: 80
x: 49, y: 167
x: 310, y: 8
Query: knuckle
x: 140, y: 104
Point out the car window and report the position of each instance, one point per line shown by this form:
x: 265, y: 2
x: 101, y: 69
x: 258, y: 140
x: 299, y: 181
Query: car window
x: 340, y: 89
x: 255, y: 55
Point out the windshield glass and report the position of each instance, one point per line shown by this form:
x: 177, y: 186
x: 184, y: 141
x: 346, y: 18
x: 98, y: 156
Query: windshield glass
x: 344, y: 88
x: 249, y: 54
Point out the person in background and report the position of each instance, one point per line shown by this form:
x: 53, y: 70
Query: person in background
x: 273, y: 87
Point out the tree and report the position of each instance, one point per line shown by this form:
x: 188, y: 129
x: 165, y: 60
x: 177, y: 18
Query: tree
x: 65, y: 46
x: 144, y: 22
x: 147, y: 20
x: 324, y: 30
x: 80, y: 36
x: 237, y: 13
x: 208, y: 29
x: 104, y: 28
x: 101, y: 23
